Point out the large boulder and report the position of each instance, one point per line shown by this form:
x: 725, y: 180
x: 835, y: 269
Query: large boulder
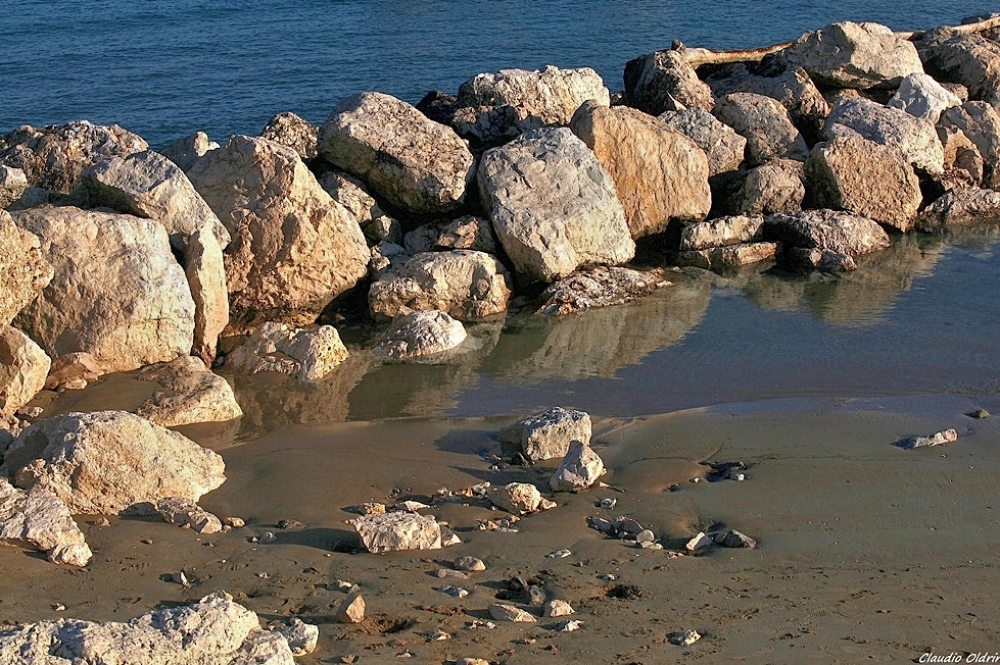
x: 958, y: 207
x: 212, y: 631
x: 765, y: 124
x: 964, y: 166
x: 915, y: 137
x: 147, y: 184
x: 980, y: 122
x: 184, y: 152
x: 118, y: 292
x: 466, y: 284
x: 292, y: 131
x: 546, y: 435
x: 294, y: 250
x: 659, y: 173
x: 553, y: 206
x: 923, y: 97
x: 822, y: 229
x: 409, y: 161
x: 854, y: 55
x: 772, y: 187
x: 111, y: 462
x: 420, y: 335
x: 394, y: 532
x: 40, y: 520
x: 54, y: 156
x: 664, y: 81
x: 722, y: 232
x: 23, y: 369
x: 860, y: 176
x: 205, y: 269
x: 972, y: 60
x: 307, y: 355
x: 722, y: 145
x: 515, y: 100
x: 25, y: 271
x: 188, y: 393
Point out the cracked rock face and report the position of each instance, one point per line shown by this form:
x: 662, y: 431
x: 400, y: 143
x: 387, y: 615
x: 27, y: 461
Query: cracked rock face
x: 393, y: 532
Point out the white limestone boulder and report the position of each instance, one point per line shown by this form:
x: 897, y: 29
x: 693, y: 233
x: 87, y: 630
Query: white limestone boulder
x: 546, y: 435
x: 189, y: 393
x: 305, y: 354
x: 23, y: 369
x: 580, y: 468
x: 420, y: 335
x: 38, y: 519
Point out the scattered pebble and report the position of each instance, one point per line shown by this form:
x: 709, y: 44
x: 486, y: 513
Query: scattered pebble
x: 547, y: 504
x: 503, y: 612
x: 558, y: 554
x: 341, y: 585
x: 685, y: 638
x: 479, y: 623
x: 699, y: 543
x: 436, y: 635
x: 608, y: 504
x: 290, y: 524
x: 180, y: 578
x: 410, y: 506
x: 645, y: 536
x: 607, y: 577
x: 262, y: 575
x: 103, y: 522
x: 569, y: 626
x: 454, y: 591
x: 146, y: 541
x: 979, y: 414
x: 58, y: 607
x: 447, y: 572
x: 472, y: 661
x: 469, y: 563
x: 937, y: 439
x: 234, y: 522
x: 558, y: 608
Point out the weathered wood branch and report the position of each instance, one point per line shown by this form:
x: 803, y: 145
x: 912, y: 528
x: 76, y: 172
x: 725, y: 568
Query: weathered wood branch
x: 703, y: 56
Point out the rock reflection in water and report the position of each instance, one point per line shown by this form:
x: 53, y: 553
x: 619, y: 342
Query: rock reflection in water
x: 601, y: 341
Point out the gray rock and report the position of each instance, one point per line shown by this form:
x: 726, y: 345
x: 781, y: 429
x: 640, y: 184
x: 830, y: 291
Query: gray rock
x: 515, y: 498
x: 546, y: 435
x: 186, y: 151
x: 26, y: 271
x: 52, y: 157
x: 957, y: 207
x: 419, y: 335
x: 828, y: 229
x: 118, y: 292
x: 408, y: 160
x: 23, y: 369
x: 722, y: 145
x: 292, y: 131
x: 184, y: 512
x: 963, y: 163
x: 38, y: 519
x: 735, y: 538
x: 13, y: 183
x: 774, y: 187
x: 111, y: 462
x: 393, y: 532
x: 971, y: 60
x: 307, y: 355
x: 213, y: 631
x: 581, y: 468
x: 590, y: 288
x: 868, y: 179
x: 915, y: 137
x: 664, y: 81
x: 765, y: 124
x: 467, y: 285
x: 552, y: 205
x: 725, y: 259
x: 980, y: 122
x: 824, y: 260
x: 854, y: 55
x: 660, y: 175
x: 923, y: 97
x: 189, y: 393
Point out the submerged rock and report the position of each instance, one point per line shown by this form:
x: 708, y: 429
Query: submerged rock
x: 723, y: 259
x: 599, y: 287
x: 581, y: 468
x: 420, y: 334
x: 958, y: 207
x: 307, y: 355
x: 190, y: 394
x: 392, y: 532
x: 40, y: 520
x: 546, y: 435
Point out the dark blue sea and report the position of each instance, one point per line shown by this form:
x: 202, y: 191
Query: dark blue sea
x: 165, y: 69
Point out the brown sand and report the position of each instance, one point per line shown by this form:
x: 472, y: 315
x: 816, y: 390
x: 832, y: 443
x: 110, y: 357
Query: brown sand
x: 868, y: 553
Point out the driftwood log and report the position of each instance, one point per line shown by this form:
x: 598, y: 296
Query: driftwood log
x: 697, y: 57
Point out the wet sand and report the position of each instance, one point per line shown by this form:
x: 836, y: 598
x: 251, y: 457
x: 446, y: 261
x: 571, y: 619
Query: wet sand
x: 867, y: 552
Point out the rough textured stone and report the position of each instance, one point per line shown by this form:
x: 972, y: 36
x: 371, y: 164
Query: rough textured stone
x: 868, y: 179
x: 25, y: 271
x: 118, y: 292
x: 765, y: 124
x: 915, y: 137
x: 352, y: 609
x: 205, y: 270
x: 923, y: 97
x: 52, y: 157
x: 722, y: 232
x: 515, y: 498
x: 40, y: 520
x: 980, y: 122
x: 408, y: 160
x: 580, y: 469
x: 393, y: 532
x: 467, y: 285
x: 186, y: 151
x: 664, y: 81
x: 720, y: 142
x: 511, y: 101
x: 724, y: 259
x: 599, y: 287
x: 420, y: 334
x: 293, y: 250
x: 504, y: 612
x: 963, y: 163
x: 971, y: 60
x: 307, y: 355
x: 468, y: 232
x: 184, y: 512
x: 854, y: 55
x: 824, y: 260
x: 546, y: 435
x: 302, y: 637
x: 558, y: 608
x: 776, y: 186
x: 110, y: 462
x: 23, y: 369
x: 147, y: 184
x: 13, y: 183
x: 552, y: 205
x: 957, y: 207
x: 292, y: 131
x: 72, y: 371
x: 213, y: 631
x: 190, y: 394
x: 350, y: 192
x: 660, y: 174
x: 828, y: 229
